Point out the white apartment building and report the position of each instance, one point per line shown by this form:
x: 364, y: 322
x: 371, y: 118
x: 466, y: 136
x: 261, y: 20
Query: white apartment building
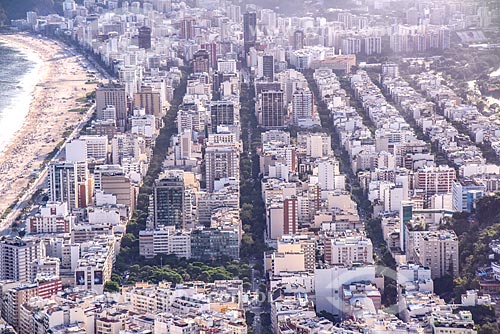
x: 67, y: 180
x: 226, y: 66
x: 302, y: 104
x: 95, y: 264
x: 54, y: 217
x: 315, y: 145
x: 329, y: 177
x: 412, y: 272
x: 165, y: 240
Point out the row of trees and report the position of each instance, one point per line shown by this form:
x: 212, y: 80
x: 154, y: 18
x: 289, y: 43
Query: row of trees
x: 129, y: 251
x: 252, y: 206
x: 130, y: 267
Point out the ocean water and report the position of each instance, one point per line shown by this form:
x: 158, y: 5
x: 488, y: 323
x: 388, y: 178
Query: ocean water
x: 19, y: 71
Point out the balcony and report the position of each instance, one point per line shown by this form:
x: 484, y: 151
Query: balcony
x: 496, y: 270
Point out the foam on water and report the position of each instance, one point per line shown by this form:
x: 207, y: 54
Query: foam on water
x: 19, y: 74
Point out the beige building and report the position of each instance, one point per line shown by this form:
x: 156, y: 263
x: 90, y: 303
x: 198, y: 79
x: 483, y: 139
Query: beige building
x: 300, y: 243
x: 295, y: 253
x: 282, y: 217
x: 112, y: 95
x: 108, y: 326
x: 437, y: 250
x: 347, y: 248
x: 291, y: 261
x: 111, y: 179
x: 12, y: 301
x: 150, y: 100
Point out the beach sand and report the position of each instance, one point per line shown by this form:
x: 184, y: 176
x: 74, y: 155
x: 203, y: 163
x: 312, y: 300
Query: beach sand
x: 61, y: 82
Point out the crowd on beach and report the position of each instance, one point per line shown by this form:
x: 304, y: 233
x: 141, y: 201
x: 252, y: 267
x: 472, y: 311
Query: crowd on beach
x: 61, y: 83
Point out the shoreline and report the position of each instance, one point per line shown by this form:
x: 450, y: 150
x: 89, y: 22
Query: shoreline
x: 28, y: 88
x: 61, y: 81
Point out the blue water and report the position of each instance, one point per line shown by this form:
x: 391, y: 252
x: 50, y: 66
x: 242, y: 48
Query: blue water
x: 19, y: 69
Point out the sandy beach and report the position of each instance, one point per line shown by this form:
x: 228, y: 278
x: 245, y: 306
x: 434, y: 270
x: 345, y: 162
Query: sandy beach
x: 61, y: 81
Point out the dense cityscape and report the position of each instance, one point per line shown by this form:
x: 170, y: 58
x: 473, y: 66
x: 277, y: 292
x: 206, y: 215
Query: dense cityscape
x: 237, y: 167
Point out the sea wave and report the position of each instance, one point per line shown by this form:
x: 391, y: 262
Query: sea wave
x: 18, y: 78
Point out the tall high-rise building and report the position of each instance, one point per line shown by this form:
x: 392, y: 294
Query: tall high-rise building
x: 249, y: 30
x: 351, y: 45
x: 346, y: 19
x: 145, y: 37
x: 213, y: 243
x: 163, y: 6
x: 129, y: 76
x: 302, y: 104
x: 70, y: 182
x: 437, y: 250
x: 465, y: 194
x: 168, y: 199
x: 405, y: 216
x: 234, y: 13
x: 186, y: 28
x: 201, y: 61
x: 444, y: 38
x: 221, y: 163
x: 13, y: 301
x: 212, y: 53
x: 221, y: 113
x: 16, y: 257
x: 290, y: 216
x: 150, y: 100
x: 111, y: 179
x: 282, y: 217
x: 435, y: 180
x: 265, y: 68
x: 298, y: 40
x: 272, y: 109
x: 329, y: 177
x: 372, y: 45
x: 112, y: 95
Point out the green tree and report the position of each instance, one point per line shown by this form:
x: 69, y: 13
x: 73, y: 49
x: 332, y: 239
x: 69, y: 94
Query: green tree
x: 489, y: 328
x: 111, y: 286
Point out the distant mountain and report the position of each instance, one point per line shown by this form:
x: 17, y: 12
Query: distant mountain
x: 16, y: 9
